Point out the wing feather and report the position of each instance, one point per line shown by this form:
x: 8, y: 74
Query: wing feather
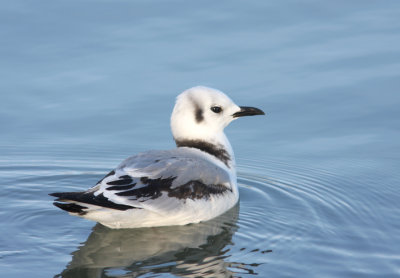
x: 158, y: 179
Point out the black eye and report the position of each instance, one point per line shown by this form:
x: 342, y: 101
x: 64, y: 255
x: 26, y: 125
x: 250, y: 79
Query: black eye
x: 216, y: 109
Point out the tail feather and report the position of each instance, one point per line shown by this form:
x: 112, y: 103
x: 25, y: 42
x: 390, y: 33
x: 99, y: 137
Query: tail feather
x: 71, y: 198
x: 71, y: 207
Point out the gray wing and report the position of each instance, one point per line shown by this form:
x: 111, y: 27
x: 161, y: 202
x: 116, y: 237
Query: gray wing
x: 159, y: 180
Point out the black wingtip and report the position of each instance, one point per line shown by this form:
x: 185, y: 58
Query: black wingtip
x: 54, y: 194
x: 71, y: 196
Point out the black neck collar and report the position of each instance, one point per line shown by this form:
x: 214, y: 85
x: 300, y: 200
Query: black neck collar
x: 217, y: 151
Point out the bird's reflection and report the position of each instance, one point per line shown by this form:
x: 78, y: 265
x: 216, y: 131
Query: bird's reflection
x: 195, y: 250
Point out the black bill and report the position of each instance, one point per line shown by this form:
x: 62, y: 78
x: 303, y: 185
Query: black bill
x: 248, y: 111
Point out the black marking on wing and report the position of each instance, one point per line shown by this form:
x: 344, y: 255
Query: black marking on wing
x: 89, y: 198
x: 123, y: 183
x: 106, y: 176
x: 194, y: 189
x: 121, y: 187
x: 152, y: 190
x: 217, y: 151
x: 125, y: 177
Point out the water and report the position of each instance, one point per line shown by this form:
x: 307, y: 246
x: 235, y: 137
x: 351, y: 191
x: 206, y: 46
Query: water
x: 85, y: 84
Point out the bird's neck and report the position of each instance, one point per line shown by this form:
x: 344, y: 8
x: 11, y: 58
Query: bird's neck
x: 220, y: 148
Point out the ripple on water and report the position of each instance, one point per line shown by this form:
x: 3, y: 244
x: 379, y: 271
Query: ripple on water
x: 295, y: 192
x: 27, y: 211
x: 284, y: 208
x: 291, y: 207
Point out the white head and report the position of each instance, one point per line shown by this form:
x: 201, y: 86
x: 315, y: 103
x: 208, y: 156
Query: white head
x: 202, y: 113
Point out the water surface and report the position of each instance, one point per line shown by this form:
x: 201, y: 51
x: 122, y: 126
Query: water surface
x: 87, y: 83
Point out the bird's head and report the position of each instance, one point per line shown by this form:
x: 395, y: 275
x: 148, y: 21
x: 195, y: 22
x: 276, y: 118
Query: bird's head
x: 202, y: 113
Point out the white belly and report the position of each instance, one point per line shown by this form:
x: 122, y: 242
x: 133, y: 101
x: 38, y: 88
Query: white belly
x: 189, y: 211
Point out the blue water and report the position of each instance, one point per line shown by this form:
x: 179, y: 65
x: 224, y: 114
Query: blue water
x: 84, y: 84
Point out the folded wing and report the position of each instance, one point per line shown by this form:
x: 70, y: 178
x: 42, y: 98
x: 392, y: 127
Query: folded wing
x: 155, y: 180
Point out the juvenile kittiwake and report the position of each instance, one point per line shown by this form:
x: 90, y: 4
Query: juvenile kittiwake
x: 192, y: 183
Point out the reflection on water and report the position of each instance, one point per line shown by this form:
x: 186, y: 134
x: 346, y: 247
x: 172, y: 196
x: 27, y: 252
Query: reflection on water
x: 197, y: 250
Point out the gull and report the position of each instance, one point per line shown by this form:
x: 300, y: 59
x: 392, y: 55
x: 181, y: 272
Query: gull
x: 192, y: 183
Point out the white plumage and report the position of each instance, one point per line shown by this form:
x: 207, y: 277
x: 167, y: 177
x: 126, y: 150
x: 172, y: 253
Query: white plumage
x: 192, y: 183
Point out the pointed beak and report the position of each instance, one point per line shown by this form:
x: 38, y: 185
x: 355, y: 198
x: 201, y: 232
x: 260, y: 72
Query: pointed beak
x: 248, y: 111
